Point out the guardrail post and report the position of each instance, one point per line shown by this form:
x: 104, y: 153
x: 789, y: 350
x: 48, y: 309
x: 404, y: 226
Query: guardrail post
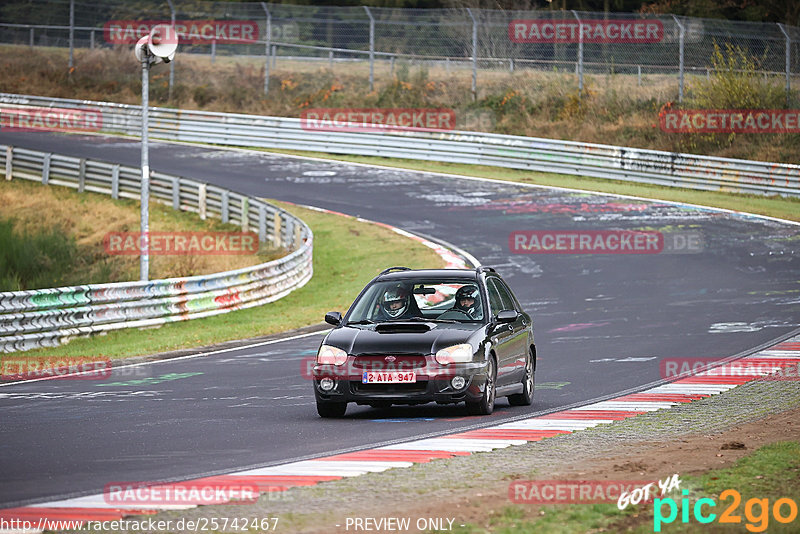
x: 579, y: 64
x: 681, y: 37
x: 46, y: 169
x: 176, y: 193
x: 330, y: 59
x: 274, y: 56
x: 474, y: 55
x: 115, y: 181
x: 9, y: 158
x: 71, y: 33
x: 91, y: 39
x: 31, y: 38
x: 202, y: 192
x: 371, y: 49
x: 269, y: 42
x: 262, y: 224
x: 82, y: 175
x: 639, y: 75
x: 276, y: 230
x: 213, y: 50
x: 224, y: 208
x: 245, y: 214
x: 788, y: 62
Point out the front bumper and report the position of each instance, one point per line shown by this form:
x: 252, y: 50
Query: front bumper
x: 433, y: 384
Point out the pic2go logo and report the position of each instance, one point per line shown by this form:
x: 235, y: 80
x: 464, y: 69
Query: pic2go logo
x: 756, y: 511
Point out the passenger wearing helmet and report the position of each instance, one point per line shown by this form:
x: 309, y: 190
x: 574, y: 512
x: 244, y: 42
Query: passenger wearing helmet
x: 468, y: 300
x: 397, y: 303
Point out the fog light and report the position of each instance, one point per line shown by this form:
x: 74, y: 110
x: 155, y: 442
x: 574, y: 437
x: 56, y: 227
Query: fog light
x: 327, y: 384
x: 458, y: 382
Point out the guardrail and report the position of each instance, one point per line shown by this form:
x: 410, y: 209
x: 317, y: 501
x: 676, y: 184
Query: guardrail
x: 48, y: 317
x: 537, y: 154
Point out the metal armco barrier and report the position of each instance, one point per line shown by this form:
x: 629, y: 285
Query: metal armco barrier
x: 48, y: 317
x: 537, y: 154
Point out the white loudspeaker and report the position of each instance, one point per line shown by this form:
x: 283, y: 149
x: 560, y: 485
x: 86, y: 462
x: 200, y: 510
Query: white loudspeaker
x: 162, y: 42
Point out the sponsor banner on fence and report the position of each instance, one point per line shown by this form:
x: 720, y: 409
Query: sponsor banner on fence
x: 575, y: 491
x: 57, y: 367
x: 186, y: 31
x: 181, y: 243
x: 749, y: 367
x: 377, y: 119
x: 593, y: 30
x: 50, y: 119
x: 730, y: 120
x: 188, y: 493
x: 604, y: 242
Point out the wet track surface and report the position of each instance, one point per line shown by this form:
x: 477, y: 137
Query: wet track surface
x: 603, y: 323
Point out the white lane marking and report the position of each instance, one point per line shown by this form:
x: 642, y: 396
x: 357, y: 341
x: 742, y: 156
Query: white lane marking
x: 179, y: 358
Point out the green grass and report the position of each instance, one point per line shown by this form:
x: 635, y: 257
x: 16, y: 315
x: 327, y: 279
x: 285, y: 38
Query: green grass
x: 347, y: 254
x: 773, y: 206
x: 771, y: 472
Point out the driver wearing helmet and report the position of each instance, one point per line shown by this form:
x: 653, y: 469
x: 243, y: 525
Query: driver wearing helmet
x: 468, y: 300
x: 397, y: 303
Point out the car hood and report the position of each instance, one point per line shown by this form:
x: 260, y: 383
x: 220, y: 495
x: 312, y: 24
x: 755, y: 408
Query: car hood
x: 399, y: 340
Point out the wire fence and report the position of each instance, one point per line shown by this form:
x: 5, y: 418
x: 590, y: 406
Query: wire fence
x: 474, y: 42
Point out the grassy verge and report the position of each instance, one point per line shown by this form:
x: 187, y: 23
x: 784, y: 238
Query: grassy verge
x: 347, y: 254
x: 773, y: 206
x: 83, y: 220
x: 770, y: 473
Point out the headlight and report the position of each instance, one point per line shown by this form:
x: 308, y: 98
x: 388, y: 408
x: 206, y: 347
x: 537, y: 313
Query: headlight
x: 328, y: 355
x: 455, y: 354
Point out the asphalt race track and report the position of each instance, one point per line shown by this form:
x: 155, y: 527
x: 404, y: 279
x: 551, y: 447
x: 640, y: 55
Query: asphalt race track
x: 603, y: 323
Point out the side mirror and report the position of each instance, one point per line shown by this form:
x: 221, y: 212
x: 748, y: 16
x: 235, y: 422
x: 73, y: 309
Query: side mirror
x: 334, y: 318
x: 506, y: 316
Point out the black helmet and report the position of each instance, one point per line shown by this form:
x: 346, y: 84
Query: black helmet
x: 393, y: 296
x: 469, y: 292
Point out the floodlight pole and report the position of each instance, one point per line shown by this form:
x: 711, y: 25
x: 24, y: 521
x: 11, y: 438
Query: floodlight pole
x: 144, y: 237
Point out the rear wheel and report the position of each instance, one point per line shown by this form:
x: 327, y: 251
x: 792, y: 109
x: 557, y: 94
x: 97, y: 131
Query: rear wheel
x: 485, y: 405
x: 528, y: 384
x: 331, y: 409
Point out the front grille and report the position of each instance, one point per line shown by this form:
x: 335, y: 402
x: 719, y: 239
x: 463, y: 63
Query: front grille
x: 389, y: 389
x: 377, y: 362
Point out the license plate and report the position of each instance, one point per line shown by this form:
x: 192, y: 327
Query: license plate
x: 388, y: 378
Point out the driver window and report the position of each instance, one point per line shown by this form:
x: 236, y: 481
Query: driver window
x: 495, y: 301
x: 505, y: 295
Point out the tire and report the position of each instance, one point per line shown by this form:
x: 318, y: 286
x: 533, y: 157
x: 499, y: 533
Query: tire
x: 528, y: 385
x: 485, y: 405
x: 331, y: 409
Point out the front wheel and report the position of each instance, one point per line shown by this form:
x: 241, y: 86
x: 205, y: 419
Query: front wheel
x: 528, y: 384
x: 485, y: 405
x: 331, y: 409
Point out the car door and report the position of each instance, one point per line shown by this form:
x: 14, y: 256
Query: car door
x: 501, y: 336
x: 517, y: 342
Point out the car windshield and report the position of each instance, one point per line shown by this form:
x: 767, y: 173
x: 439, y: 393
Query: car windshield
x: 419, y: 299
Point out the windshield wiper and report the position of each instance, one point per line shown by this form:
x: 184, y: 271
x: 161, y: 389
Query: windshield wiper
x: 363, y: 321
x: 425, y: 319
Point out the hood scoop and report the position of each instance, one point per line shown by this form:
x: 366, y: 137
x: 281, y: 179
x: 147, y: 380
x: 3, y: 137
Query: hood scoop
x: 403, y: 328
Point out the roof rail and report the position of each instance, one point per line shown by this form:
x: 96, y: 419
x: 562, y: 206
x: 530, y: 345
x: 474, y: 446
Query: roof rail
x: 482, y: 269
x: 390, y: 269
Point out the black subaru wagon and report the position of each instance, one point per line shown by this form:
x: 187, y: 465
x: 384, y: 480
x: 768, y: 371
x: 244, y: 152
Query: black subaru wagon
x: 419, y: 336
